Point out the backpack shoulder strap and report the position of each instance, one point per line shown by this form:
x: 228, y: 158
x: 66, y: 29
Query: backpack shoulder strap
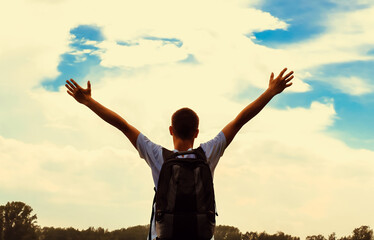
x: 200, y: 153
x: 167, y: 154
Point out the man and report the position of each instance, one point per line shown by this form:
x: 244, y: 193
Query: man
x: 184, y: 127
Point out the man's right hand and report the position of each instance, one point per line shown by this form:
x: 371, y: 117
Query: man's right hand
x: 77, y: 92
x: 278, y: 84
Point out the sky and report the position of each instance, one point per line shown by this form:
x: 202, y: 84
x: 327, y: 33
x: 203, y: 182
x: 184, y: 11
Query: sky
x: 304, y: 165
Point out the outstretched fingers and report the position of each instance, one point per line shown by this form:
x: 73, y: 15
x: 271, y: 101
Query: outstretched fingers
x: 70, y: 84
x: 288, y: 79
x: 75, y: 84
x: 288, y: 75
x: 71, y: 89
x: 281, y: 73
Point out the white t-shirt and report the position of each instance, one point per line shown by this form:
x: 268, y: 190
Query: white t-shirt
x: 152, y: 154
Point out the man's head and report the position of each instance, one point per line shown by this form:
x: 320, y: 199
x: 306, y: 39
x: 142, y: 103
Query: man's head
x: 184, y: 124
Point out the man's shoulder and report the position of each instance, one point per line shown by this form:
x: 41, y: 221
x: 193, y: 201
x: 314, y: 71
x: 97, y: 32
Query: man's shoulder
x: 148, y: 149
x: 218, y: 140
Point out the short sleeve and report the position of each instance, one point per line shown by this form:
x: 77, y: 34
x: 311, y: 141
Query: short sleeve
x: 214, y: 150
x: 151, y: 153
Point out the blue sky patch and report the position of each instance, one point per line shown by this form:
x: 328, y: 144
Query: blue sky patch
x: 87, y: 32
x: 189, y: 59
x: 81, y: 60
x: 174, y: 41
x: 370, y: 52
x: 295, y: 33
x: 127, y: 43
x: 356, y: 113
x: 362, y: 69
x: 164, y: 41
x: 306, y: 19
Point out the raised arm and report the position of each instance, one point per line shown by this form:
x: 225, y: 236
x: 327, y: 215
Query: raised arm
x: 83, y: 96
x: 276, y: 86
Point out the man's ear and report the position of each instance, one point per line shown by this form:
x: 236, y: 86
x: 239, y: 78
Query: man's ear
x: 171, y: 130
x: 196, y: 133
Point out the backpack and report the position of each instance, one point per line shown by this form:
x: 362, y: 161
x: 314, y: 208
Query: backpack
x: 185, y: 204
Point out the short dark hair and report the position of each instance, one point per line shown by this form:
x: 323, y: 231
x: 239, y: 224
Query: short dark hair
x: 185, y: 122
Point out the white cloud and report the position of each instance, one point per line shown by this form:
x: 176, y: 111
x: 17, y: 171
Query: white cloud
x: 353, y: 85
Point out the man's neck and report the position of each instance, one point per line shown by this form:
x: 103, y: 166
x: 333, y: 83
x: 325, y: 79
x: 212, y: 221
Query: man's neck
x: 182, y: 145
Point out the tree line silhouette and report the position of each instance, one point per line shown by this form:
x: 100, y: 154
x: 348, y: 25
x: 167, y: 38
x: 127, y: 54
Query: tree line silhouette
x: 17, y: 222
